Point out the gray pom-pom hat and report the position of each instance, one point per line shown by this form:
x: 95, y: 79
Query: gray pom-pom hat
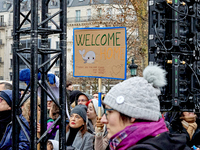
x: 137, y: 97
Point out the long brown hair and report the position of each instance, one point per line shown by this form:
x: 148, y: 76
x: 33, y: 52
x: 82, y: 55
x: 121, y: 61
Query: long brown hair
x: 83, y: 129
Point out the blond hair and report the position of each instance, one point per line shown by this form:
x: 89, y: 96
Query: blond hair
x: 26, y: 109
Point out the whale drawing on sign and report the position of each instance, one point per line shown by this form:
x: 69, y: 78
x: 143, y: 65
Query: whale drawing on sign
x: 89, y: 56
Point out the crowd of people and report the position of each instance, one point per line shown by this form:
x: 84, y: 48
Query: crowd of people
x: 130, y: 119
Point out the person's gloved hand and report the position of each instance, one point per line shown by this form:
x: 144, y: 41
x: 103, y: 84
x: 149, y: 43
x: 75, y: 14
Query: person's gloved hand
x: 51, y: 78
x: 99, y: 125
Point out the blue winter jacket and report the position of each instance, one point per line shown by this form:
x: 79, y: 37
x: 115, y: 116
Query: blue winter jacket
x: 6, y: 142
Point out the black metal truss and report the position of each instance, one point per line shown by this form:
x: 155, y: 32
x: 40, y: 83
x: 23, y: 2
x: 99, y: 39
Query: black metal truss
x: 35, y: 30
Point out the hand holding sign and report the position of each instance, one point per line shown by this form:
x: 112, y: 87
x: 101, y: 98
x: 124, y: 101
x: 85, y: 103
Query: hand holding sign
x: 99, y: 125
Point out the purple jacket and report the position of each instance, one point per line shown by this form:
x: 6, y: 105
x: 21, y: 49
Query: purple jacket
x: 52, y: 132
x: 136, y: 132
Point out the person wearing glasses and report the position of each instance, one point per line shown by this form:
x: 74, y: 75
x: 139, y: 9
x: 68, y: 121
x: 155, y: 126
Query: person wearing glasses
x: 83, y: 98
x: 132, y: 114
x: 6, y: 124
x: 77, y: 137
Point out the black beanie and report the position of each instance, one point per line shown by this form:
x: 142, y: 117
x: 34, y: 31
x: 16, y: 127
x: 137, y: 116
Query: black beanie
x: 73, y: 95
x: 81, y: 110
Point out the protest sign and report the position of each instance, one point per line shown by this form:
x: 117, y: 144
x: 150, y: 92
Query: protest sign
x: 100, y: 52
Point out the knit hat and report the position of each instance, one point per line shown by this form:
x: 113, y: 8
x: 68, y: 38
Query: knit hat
x: 81, y: 110
x: 137, y: 97
x: 7, y: 96
x: 73, y: 95
x: 95, y: 104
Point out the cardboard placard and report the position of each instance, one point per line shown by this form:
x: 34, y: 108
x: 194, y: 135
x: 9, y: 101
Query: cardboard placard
x: 100, y: 52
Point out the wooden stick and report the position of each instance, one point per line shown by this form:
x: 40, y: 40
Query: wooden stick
x: 99, y: 99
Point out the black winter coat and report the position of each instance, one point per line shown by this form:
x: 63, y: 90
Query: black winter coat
x: 164, y: 141
x: 176, y: 127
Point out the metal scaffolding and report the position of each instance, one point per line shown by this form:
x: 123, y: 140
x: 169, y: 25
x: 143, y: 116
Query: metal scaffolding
x: 39, y: 31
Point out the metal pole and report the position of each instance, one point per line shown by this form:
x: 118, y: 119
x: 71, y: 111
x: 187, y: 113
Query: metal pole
x: 15, y: 92
x: 63, y: 42
x: 34, y: 72
x: 44, y: 44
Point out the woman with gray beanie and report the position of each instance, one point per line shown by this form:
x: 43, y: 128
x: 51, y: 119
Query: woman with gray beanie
x: 132, y: 114
x: 77, y: 136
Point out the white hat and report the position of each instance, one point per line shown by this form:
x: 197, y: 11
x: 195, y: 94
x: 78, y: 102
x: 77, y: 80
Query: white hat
x: 137, y: 97
x: 55, y: 144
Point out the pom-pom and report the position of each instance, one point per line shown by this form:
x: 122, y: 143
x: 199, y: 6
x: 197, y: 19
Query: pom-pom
x: 156, y: 75
x: 25, y: 75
